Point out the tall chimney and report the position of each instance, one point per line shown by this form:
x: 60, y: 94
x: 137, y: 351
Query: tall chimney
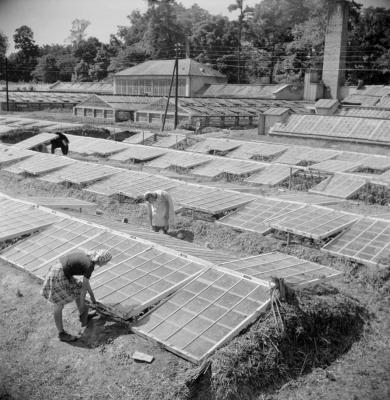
x: 333, y: 70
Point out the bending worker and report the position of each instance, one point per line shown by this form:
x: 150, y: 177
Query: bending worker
x: 161, y: 211
x: 60, y: 287
x: 60, y: 141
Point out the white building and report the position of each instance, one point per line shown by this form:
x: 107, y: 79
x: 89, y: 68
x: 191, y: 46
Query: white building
x: 153, y: 78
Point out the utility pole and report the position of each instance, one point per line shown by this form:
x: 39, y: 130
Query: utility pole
x: 177, y: 51
x: 239, y: 46
x: 6, y: 82
x: 175, y: 74
x: 169, y: 98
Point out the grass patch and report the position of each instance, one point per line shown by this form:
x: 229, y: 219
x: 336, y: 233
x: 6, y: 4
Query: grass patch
x: 89, y: 130
x: 374, y: 279
x: 374, y: 194
x: 302, y: 181
x: 17, y: 135
x: 265, y: 158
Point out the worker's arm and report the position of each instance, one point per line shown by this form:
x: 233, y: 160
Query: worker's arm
x: 87, y: 287
x: 166, y: 208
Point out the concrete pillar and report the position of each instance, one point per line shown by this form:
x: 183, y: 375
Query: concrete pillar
x: 333, y: 73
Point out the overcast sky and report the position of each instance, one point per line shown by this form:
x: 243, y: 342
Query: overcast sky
x: 51, y: 20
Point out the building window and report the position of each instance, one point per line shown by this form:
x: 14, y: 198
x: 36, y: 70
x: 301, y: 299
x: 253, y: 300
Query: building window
x: 108, y: 114
x: 151, y: 87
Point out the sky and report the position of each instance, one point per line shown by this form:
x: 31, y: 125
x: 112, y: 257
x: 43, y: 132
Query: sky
x: 51, y: 20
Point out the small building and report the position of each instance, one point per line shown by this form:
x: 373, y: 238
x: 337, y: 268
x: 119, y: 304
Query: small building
x: 270, y: 117
x: 326, y: 106
x: 153, y: 78
x: 198, y: 113
x: 110, y: 109
x: 34, y: 101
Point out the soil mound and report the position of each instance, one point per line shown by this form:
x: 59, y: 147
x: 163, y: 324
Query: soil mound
x: 311, y: 330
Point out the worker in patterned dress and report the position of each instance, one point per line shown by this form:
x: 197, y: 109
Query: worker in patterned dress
x: 61, y: 287
x: 161, y: 211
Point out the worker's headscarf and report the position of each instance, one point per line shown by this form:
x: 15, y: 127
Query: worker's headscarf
x: 150, y: 195
x: 99, y: 255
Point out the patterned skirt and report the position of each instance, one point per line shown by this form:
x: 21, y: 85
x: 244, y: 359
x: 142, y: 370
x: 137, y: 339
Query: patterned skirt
x: 59, y: 289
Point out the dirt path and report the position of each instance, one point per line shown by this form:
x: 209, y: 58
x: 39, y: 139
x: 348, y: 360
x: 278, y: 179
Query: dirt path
x: 35, y: 365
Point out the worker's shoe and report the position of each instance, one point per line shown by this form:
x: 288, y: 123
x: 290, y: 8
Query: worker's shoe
x: 66, y: 337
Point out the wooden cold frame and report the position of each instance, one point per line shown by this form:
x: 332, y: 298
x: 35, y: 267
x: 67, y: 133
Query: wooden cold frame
x: 214, y: 345
x: 298, y: 221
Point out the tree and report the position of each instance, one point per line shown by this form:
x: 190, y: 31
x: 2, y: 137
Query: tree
x: 258, y: 64
x: 66, y: 64
x: 190, y: 18
x: 383, y: 62
x: 65, y: 60
x: 81, y: 72
x: 368, y: 46
x: 128, y: 57
x: 77, y: 32
x: 47, y: 69
x: 243, y: 13
x: 163, y: 29
x: 98, y: 70
x: 213, y: 41
x: 153, y: 34
x: 24, y: 40
x: 26, y: 57
x: 3, y: 50
x: 272, y: 25
x: 135, y: 32
x: 306, y: 49
x: 3, y: 45
x: 86, y: 50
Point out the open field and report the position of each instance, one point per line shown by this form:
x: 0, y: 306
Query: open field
x: 329, y: 342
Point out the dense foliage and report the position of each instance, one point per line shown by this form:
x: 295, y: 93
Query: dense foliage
x: 275, y: 40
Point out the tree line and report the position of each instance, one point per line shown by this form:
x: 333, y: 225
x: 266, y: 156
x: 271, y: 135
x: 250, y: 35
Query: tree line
x: 273, y: 40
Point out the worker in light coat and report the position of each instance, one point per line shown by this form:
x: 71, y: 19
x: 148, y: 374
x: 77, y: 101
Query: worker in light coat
x: 161, y: 211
